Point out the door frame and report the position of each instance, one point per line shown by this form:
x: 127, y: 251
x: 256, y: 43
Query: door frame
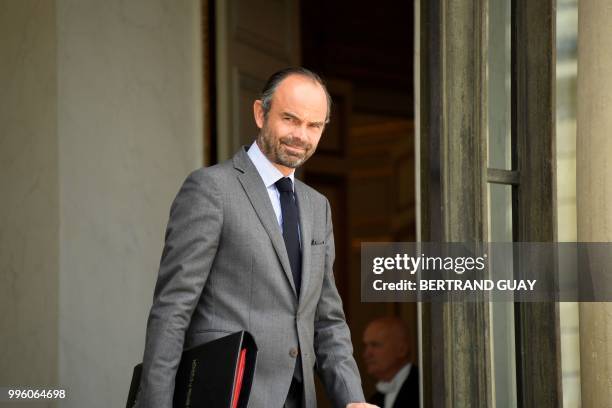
x: 452, y: 176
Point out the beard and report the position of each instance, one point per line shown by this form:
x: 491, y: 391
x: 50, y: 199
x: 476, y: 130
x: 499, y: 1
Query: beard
x: 275, y: 148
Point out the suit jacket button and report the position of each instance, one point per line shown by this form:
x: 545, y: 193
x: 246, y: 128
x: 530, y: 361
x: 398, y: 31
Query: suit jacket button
x: 293, y: 352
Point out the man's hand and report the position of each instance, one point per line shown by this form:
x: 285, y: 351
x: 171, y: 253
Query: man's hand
x: 361, y: 405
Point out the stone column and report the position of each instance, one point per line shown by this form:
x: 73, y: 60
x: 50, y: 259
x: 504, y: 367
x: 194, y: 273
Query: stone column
x: 594, y: 187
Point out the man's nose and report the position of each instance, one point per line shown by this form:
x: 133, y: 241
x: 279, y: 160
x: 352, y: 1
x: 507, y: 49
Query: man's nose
x: 300, y: 133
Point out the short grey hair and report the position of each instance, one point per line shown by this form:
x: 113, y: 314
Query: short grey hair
x: 276, y: 78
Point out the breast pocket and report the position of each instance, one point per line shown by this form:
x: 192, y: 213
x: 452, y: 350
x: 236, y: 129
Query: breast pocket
x: 317, y: 247
x: 317, y: 260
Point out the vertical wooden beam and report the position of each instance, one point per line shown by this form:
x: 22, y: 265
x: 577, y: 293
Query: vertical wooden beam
x: 424, y: 64
x: 537, y: 324
x: 453, y: 123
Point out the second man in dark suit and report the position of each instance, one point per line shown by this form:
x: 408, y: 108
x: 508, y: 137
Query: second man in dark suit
x: 388, y: 357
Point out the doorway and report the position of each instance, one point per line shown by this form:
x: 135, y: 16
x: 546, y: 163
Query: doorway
x: 365, y: 161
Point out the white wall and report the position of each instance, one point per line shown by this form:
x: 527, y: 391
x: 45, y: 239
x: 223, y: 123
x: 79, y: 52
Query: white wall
x: 29, y: 206
x: 129, y: 125
x: 100, y: 122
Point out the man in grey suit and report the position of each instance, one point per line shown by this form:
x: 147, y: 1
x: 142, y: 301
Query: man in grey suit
x: 248, y: 247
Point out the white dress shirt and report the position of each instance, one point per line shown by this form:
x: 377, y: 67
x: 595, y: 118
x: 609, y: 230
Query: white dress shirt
x: 391, y: 389
x: 270, y: 175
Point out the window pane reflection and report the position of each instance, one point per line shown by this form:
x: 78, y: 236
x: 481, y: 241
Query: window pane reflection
x: 499, y: 70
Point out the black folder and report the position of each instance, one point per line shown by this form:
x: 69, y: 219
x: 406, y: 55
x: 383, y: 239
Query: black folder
x: 217, y: 374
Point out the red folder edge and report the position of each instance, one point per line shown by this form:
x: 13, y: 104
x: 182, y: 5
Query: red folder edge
x: 239, y: 377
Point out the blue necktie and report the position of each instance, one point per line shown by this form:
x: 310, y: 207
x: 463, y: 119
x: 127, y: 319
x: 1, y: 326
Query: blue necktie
x: 289, y: 211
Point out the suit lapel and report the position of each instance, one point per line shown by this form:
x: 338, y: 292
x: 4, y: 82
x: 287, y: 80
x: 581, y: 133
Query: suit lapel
x: 306, y: 220
x: 258, y: 196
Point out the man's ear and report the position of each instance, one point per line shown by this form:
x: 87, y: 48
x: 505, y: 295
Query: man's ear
x: 258, y: 113
x: 404, y: 350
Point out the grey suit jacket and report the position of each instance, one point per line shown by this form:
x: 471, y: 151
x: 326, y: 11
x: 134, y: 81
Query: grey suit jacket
x: 225, y: 268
